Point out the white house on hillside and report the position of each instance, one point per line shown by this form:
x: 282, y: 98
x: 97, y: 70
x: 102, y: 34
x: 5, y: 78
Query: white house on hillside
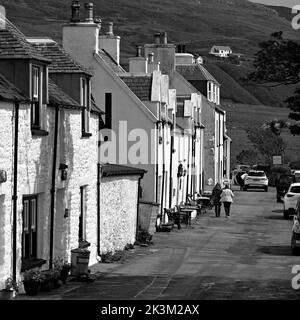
x: 221, y: 51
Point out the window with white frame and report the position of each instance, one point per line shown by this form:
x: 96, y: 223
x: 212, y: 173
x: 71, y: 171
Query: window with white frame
x: 36, y: 86
x: 85, y: 101
x: 210, y: 91
x: 218, y: 95
x: 29, y: 237
x: 82, y: 215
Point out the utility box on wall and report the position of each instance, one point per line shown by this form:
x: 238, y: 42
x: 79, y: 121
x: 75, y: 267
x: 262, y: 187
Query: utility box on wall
x: 3, y: 176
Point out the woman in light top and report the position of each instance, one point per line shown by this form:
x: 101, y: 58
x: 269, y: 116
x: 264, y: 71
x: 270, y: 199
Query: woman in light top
x: 227, y: 199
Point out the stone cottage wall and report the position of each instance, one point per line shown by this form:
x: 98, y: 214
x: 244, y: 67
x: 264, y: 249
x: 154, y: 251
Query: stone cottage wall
x: 118, y: 207
x: 81, y: 156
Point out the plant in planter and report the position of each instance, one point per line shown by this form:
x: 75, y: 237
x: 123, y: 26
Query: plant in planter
x: 63, y: 267
x: 32, y: 282
x: 10, y: 290
x: 51, y: 280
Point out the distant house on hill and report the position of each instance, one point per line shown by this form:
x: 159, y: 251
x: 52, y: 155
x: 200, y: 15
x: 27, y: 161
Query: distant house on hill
x: 221, y: 51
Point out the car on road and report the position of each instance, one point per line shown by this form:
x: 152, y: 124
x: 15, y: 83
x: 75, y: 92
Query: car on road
x: 238, y: 171
x: 296, y: 175
x: 295, y: 241
x: 290, y: 200
x: 282, y: 185
x: 256, y: 180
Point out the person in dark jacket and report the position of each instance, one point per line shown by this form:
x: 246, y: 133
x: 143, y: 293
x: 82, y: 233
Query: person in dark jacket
x: 216, y: 198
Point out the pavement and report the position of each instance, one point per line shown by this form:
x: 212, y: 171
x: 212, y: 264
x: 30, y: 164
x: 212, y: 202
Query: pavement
x: 246, y: 256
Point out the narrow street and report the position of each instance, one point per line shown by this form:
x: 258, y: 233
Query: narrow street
x: 247, y: 256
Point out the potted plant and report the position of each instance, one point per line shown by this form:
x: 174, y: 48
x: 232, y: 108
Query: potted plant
x: 32, y: 282
x: 63, y: 267
x: 10, y: 290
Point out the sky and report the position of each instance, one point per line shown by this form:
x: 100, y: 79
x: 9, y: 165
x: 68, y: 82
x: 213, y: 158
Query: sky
x: 285, y: 3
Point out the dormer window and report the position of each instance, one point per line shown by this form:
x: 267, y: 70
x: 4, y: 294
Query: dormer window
x: 38, y: 85
x: 36, y: 97
x: 85, y: 102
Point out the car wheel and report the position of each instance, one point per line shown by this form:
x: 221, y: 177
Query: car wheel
x: 266, y: 189
x: 286, y: 214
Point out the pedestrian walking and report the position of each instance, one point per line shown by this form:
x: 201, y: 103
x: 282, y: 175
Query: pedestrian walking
x: 227, y: 199
x: 216, y: 198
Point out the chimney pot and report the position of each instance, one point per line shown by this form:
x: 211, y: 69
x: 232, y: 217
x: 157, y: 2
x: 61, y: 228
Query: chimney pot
x: 151, y: 57
x: 138, y: 51
x: 75, y: 11
x: 157, y: 38
x: 164, y: 38
x: 110, y: 31
x: 89, y: 14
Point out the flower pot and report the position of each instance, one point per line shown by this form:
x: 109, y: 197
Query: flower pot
x: 7, y: 294
x: 32, y: 287
x: 64, y: 275
x: 56, y: 283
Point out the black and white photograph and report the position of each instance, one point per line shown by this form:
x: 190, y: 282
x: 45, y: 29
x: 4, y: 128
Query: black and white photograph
x: 149, y: 154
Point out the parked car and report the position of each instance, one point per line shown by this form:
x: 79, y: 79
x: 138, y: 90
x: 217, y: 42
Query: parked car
x: 295, y: 241
x: 282, y: 185
x: 238, y: 171
x: 256, y: 180
x: 290, y: 200
x: 296, y: 175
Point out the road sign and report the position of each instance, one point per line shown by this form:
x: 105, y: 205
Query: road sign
x: 277, y: 160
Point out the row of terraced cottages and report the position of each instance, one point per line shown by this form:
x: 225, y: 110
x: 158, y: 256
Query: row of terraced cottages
x: 92, y: 152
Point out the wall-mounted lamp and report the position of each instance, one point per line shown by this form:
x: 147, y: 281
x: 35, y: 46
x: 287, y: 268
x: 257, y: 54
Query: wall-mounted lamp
x: 64, y: 172
x: 3, y: 176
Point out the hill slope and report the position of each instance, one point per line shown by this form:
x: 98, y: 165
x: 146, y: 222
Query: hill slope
x: 200, y: 23
x: 234, y: 88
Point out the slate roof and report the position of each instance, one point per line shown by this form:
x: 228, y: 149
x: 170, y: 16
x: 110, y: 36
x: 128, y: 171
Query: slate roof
x: 139, y: 85
x: 110, y: 61
x: 9, y: 92
x: 61, y: 61
x: 118, y: 170
x: 195, y: 72
x: 13, y: 45
x: 58, y: 97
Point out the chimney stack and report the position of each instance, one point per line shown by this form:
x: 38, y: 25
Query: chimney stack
x: 164, y: 38
x: 75, y: 11
x: 2, y: 18
x: 89, y: 14
x: 157, y: 38
x: 138, y: 51
x: 151, y: 57
x: 110, y: 31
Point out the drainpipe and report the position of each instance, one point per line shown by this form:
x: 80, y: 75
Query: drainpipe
x: 171, y: 163
x: 138, y: 205
x: 98, y: 192
x: 15, y: 191
x: 156, y: 165
x: 52, y: 191
x: 163, y: 169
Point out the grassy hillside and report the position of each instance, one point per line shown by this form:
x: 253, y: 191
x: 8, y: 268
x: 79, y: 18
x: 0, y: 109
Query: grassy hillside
x: 198, y: 23
x: 234, y: 88
x: 240, y: 117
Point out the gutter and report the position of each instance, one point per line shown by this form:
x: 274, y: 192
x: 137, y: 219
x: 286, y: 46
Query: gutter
x: 15, y: 191
x: 52, y: 191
